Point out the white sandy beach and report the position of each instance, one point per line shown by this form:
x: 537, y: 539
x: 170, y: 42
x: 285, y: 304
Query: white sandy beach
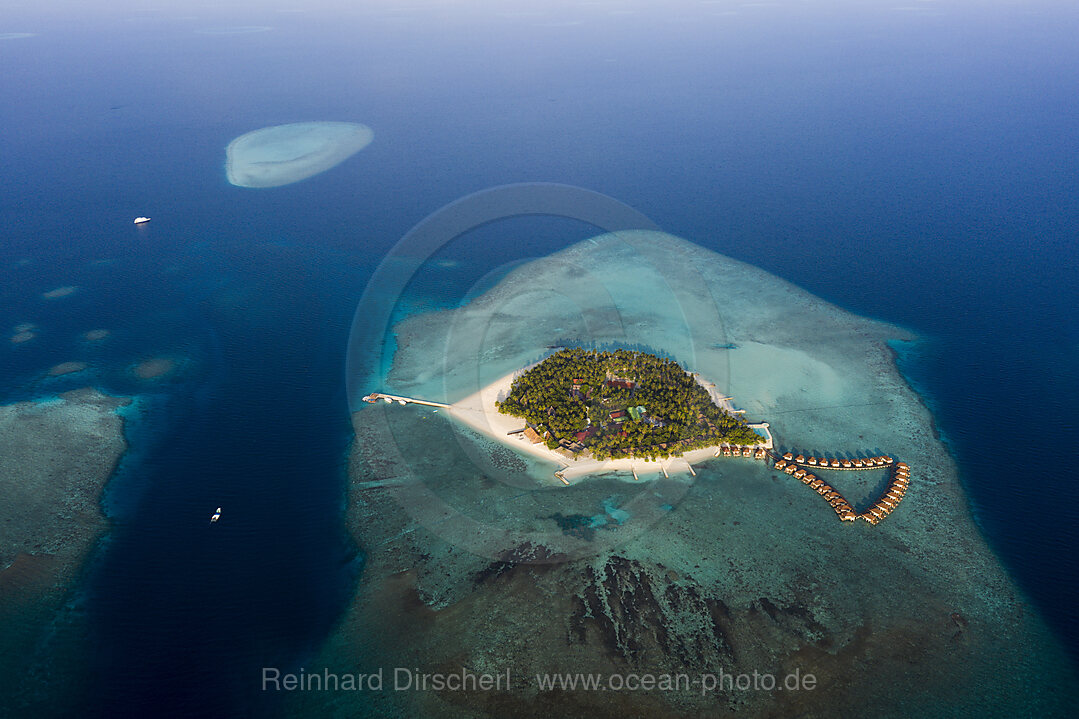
x: 479, y: 412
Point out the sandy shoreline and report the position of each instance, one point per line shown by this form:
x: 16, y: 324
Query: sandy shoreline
x: 479, y: 412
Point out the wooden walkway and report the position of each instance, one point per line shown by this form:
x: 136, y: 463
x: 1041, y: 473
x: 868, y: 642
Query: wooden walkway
x: 799, y: 467
x: 389, y: 398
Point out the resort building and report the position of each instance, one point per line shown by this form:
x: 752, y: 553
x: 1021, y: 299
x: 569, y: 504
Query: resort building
x: 532, y: 435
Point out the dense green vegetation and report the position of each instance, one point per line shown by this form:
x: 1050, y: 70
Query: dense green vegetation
x: 678, y: 413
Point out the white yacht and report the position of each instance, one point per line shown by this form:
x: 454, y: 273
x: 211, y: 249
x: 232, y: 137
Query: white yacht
x: 216, y: 516
x: 140, y: 220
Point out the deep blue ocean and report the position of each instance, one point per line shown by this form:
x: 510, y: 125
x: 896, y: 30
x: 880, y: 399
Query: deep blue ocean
x: 917, y: 165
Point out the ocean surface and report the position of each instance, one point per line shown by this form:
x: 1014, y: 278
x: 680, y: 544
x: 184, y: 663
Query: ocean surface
x: 918, y: 165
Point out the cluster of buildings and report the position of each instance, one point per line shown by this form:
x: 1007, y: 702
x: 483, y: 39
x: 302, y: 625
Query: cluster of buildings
x: 794, y: 465
x: 892, y: 495
x: 836, y: 463
x: 736, y: 450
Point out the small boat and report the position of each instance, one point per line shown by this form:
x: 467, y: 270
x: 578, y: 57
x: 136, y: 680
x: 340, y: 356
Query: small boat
x: 216, y: 516
x: 141, y: 220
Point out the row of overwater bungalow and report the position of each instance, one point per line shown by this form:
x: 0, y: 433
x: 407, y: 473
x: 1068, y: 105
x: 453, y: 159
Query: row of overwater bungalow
x: 843, y: 509
x: 892, y: 496
x: 841, y: 506
x: 836, y: 463
x: 736, y: 450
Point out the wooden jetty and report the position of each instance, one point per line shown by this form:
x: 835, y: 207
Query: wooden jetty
x: 390, y: 398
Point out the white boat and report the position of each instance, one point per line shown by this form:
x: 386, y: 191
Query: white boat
x: 216, y: 516
x: 140, y: 220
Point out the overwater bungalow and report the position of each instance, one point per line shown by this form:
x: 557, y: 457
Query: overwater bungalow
x: 858, y: 462
x: 800, y: 473
x: 817, y: 483
x: 846, y: 463
x: 835, y: 463
x: 800, y: 459
x: 790, y: 468
x: 727, y: 452
x: 760, y: 454
x: 788, y: 456
x: 747, y: 451
x: 848, y: 516
x: 781, y: 464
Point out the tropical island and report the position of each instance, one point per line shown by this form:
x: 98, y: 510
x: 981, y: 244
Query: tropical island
x: 734, y: 569
x: 620, y: 404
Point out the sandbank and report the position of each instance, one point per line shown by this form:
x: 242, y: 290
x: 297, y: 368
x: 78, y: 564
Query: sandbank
x: 19, y: 337
x: 283, y: 154
x: 59, y: 292
x: 154, y: 368
x: 95, y: 335
x: 66, y: 368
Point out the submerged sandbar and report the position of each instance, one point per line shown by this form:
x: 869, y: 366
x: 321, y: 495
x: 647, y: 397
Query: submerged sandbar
x: 60, y: 292
x: 283, y: 154
x: 154, y: 368
x: 66, y: 368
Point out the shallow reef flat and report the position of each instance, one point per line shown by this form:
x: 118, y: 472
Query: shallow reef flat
x: 472, y: 562
x: 55, y: 458
x: 283, y: 154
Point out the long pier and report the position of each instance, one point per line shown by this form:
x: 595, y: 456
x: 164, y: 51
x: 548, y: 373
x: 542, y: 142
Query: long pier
x: 390, y: 398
